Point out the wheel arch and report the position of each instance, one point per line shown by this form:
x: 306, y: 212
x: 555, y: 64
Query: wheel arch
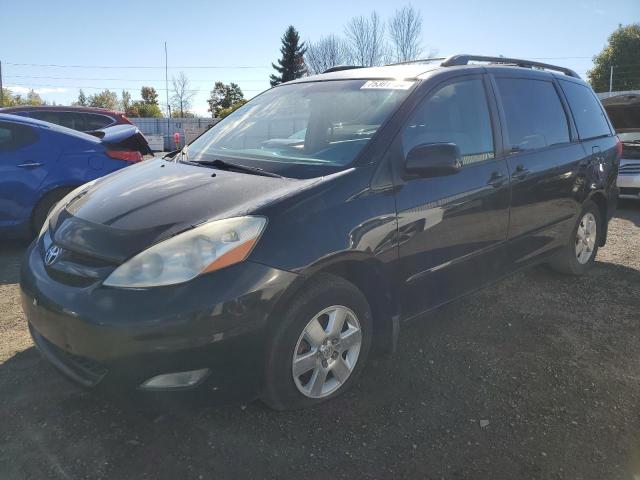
x: 370, y: 277
x: 46, y: 194
x: 601, y: 202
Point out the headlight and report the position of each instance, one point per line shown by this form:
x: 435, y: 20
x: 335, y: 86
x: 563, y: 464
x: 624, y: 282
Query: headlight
x: 205, y: 248
x: 62, y: 203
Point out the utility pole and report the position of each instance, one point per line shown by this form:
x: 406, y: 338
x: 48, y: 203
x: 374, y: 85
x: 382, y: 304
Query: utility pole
x: 1, y: 90
x: 166, y: 89
x: 611, y: 80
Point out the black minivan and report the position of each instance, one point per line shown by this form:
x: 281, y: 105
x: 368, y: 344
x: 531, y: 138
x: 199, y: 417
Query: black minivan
x: 272, y: 254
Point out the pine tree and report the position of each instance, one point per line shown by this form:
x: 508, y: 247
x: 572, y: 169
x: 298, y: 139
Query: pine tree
x: 82, y: 99
x: 291, y: 65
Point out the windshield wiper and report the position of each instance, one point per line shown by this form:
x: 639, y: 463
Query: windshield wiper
x: 222, y: 165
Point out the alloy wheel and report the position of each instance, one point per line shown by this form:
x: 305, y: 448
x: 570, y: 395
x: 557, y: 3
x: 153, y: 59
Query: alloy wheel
x: 586, y: 236
x: 326, y: 352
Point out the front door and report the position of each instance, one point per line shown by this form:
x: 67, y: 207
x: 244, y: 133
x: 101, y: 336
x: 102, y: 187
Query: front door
x: 452, y: 229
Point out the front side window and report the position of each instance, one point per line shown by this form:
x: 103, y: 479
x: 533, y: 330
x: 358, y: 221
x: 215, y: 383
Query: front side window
x: 587, y: 112
x: 456, y: 113
x: 534, y: 114
x: 315, y: 123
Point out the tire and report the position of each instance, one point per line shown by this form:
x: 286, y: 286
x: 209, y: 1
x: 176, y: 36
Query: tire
x: 44, y: 206
x: 570, y: 260
x: 317, y: 350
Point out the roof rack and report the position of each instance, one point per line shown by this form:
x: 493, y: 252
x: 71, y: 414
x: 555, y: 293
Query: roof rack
x: 422, y: 60
x: 338, y: 68
x: 465, y: 59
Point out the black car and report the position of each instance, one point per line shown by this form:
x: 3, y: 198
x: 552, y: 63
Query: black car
x: 271, y: 255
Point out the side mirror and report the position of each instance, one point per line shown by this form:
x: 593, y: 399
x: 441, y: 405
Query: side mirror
x: 433, y: 160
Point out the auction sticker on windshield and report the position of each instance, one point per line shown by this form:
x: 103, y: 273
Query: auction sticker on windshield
x: 387, y: 85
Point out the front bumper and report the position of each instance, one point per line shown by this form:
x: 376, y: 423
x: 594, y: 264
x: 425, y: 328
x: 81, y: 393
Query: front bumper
x: 118, y: 338
x: 629, y: 178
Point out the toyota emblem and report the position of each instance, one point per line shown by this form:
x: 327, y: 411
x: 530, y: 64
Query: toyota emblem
x: 52, y: 254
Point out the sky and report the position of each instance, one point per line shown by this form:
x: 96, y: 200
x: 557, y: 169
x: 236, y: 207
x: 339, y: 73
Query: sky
x: 56, y: 47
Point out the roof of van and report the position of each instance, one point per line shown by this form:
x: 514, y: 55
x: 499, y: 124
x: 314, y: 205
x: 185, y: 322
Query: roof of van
x: 400, y: 72
x: 419, y: 68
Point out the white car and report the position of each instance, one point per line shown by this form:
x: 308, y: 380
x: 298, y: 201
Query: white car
x: 624, y: 112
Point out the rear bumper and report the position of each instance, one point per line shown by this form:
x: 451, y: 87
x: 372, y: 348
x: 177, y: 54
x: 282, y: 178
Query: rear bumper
x: 118, y: 338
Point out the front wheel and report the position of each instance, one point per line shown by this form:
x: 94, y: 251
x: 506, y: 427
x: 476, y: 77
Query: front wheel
x: 320, y: 346
x: 580, y: 252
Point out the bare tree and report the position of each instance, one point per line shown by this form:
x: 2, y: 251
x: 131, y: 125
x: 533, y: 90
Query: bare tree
x: 366, y: 40
x: 327, y: 52
x: 405, y: 31
x: 182, y: 94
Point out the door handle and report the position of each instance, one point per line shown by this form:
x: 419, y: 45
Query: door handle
x: 30, y: 165
x: 520, y: 172
x: 496, y: 179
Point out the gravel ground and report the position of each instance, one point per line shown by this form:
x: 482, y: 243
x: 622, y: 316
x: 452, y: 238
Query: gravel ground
x: 535, y: 377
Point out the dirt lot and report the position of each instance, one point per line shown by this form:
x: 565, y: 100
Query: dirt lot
x: 536, y: 377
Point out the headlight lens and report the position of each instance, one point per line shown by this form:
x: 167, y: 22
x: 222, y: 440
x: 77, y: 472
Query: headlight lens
x: 206, y: 248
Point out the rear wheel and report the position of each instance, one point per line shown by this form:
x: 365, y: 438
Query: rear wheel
x: 320, y: 346
x: 580, y: 252
x: 44, y: 206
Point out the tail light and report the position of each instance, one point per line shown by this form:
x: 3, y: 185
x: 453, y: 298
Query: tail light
x: 132, y: 156
x: 618, y: 148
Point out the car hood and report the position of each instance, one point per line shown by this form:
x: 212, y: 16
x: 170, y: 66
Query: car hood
x: 133, y: 208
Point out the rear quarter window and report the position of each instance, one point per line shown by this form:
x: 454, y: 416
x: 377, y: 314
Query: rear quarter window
x: 95, y: 121
x: 586, y: 109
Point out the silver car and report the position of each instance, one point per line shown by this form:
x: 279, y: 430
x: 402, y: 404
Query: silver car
x: 624, y: 112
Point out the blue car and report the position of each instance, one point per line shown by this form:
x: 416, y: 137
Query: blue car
x: 41, y: 162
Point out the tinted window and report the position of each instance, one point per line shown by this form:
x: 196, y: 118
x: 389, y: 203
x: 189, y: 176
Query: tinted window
x: 457, y: 113
x: 13, y: 136
x: 96, y: 122
x: 73, y: 120
x: 51, y: 117
x: 534, y: 115
x: 586, y: 109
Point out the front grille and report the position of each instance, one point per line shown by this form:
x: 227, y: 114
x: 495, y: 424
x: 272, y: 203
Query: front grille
x: 70, y: 279
x: 83, y: 370
x: 629, y: 169
x: 74, y: 268
x: 629, y: 191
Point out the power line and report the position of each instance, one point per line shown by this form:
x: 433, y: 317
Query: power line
x: 557, y: 58
x: 124, y: 79
x: 133, y: 66
x: 55, y: 65
x: 112, y: 88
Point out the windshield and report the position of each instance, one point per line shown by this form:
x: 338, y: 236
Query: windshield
x: 315, y: 123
